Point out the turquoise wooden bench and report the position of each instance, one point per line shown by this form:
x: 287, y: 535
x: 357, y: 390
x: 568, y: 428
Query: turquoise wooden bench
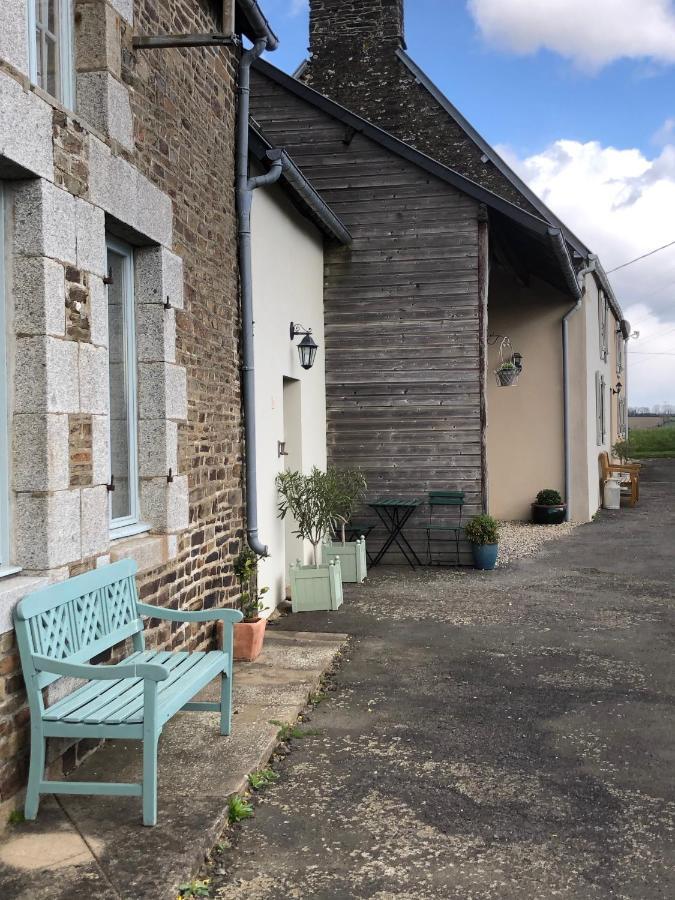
x: 62, y: 627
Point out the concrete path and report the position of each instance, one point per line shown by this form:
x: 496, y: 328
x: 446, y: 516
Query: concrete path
x: 504, y: 735
x: 95, y: 848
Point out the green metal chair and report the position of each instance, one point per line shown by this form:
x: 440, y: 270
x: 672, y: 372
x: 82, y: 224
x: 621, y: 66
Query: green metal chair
x: 440, y: 530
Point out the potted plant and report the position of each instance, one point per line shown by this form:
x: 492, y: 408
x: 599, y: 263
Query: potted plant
x: 249, y: 634
x: 348, y: 489
x: 549, y: 508
x: 308, y: 499
x: 483, y: 533
x: 623, y: 450
x: 507, y: 374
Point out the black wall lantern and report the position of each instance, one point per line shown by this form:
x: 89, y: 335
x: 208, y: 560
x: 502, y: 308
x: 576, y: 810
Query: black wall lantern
x: 517, y: 360
x: 618, y: 388
x: 307, y: 347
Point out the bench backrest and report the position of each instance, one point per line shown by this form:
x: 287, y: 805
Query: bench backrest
x: 77, y: 619
x: 604, y: 464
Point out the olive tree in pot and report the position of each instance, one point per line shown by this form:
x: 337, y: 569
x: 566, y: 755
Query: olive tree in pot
x: 249, y: 634
x: 483, y: 533
x: 549, y: 508
x: 308, y: 499
x: 348, y: 489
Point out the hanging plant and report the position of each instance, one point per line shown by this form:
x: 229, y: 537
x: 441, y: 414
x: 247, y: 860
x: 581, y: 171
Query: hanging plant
x: 507, y: 373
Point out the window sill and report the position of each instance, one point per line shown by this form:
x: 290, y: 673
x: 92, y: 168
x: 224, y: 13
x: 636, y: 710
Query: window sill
x: 127, y: 531
x: 150, y: 551
x: 11, y: 591
x: 6, y: 571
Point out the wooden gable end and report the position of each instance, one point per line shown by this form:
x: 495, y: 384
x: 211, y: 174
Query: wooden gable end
x: 401, y: 306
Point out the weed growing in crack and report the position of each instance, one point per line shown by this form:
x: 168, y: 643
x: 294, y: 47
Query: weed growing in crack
x: 194, y: 888
x: 287, y: 731
x: 238, y: 809
x: 262, y: 778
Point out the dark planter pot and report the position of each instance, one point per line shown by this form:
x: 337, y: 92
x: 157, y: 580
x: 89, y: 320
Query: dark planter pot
x: 485, y: 556
x: 507, y: 377
x: 548, y: 515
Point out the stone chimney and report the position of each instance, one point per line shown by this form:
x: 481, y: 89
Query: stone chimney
x: 351, y: 42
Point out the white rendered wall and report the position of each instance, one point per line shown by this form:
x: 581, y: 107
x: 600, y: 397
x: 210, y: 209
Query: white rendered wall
x: 595, y: 363
x: 287, y: 286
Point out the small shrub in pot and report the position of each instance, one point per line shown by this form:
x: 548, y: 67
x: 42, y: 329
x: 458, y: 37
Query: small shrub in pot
x: 249, y: 635
x: 483, y: 533
x: 549, y: 508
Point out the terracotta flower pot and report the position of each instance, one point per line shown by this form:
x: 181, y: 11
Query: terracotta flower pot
x: 248, y: 640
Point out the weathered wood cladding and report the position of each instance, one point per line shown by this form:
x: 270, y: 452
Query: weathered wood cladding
x: 401, y: 308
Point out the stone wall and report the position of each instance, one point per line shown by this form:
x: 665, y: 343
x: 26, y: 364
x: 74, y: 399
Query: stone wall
x: 353, y: 60
x: 148, y: 154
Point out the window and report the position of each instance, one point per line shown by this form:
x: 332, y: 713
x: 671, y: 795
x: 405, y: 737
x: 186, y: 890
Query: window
x: 603, y: 325
x: 600, y: 409
x: 4, y: 409
x: 124, y: 508
x: 619, y: 350
x: 622, y: 424
x: 51, y: 47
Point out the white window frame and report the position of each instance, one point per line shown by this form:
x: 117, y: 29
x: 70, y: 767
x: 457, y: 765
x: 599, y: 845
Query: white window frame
x: 129, y: 525
x: 66, y: 50
x: 603, y: 325
x: 619, y: 350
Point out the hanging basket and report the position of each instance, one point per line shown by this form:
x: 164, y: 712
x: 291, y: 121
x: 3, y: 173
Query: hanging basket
x: 507, y: 376
x: 507, y: 373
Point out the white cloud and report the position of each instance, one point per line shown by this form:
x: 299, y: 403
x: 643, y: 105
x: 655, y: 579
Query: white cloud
x: 591, y: 34
x: 620, y: 204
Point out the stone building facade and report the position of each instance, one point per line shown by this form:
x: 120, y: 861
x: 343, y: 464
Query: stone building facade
x: 123, y: 160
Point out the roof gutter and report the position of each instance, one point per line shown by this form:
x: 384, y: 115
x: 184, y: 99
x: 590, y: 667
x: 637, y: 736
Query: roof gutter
x: 575, y: 283
x: 306, y: 192
x: 259, y: 24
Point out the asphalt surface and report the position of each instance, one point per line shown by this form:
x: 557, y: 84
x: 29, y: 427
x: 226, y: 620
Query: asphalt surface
x: 498, y: 735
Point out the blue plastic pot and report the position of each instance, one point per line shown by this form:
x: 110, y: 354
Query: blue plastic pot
x: 485, y: 556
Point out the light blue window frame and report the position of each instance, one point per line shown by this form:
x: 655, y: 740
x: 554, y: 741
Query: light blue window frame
x: 66, y: 49
x: 130, y: 524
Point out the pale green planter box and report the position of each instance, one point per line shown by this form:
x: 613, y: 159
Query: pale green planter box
x: 353, y: 559
x: 316, y: 587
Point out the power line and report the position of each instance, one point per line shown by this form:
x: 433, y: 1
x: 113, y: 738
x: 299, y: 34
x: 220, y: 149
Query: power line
x: 638, y: 353
x: 638, y: 258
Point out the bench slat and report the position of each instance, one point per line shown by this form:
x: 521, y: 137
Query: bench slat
x: 133, y: 711
x: 85, y: 693
x: 99, y: 693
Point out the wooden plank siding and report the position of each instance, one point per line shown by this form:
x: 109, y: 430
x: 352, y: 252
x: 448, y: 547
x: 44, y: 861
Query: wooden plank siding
x: 402, y: 317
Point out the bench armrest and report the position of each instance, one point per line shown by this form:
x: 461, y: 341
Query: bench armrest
x: 151, y: 671
x: 178, y: 615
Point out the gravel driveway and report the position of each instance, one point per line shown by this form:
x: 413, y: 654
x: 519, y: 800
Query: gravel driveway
x: 499, y: 735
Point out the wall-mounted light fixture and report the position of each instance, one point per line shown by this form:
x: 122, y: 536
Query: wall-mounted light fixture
x: 307, y: 347
x: 618, y: 388
x: 517, y: 360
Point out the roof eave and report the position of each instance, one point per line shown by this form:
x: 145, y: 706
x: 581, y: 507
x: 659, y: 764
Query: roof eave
x: 256, y: 26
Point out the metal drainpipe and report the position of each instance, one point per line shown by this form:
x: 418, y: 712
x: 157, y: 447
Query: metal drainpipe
x: 245, y: 188
x: 581, y: 276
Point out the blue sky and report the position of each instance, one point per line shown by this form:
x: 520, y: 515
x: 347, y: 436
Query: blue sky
x: 583, y: 106
x: 525, y: 102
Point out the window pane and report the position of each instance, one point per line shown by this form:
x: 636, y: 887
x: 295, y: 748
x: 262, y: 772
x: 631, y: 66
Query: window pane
x: 48, y: 25
x: 122, y: 469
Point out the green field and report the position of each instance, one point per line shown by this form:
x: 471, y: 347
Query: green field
x: 653, y: 442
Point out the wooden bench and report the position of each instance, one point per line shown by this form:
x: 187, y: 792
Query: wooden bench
x: 631, y: 487
x: 62, y: 627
